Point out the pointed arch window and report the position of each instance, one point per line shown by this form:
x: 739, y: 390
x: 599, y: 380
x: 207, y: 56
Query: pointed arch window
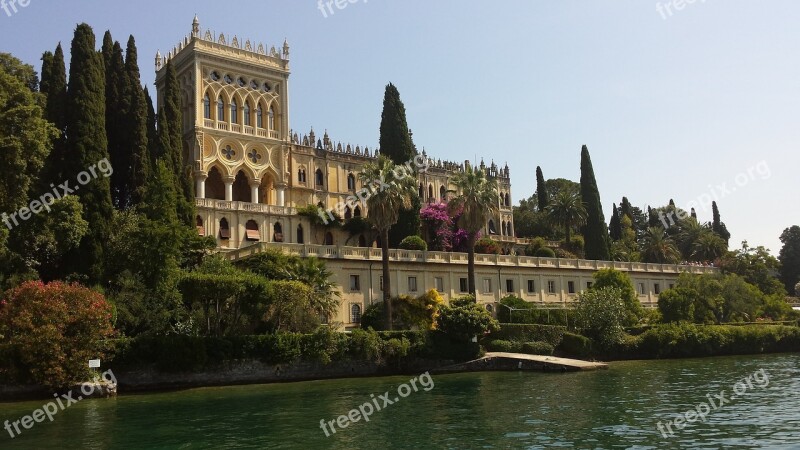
x: 442, y: 193
x: 351, y: 182
x: 220, y: 109
x: 319, y: 178
x: 246, y: 113
x: 271, y: 118
x: 431, y: 195
x: 300, y: 237
x: 207, y: 107
x: 301, y: 175
x: 260, y: 117
x: 234, y: 111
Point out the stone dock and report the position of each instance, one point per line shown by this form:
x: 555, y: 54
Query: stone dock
x: 519, y: 361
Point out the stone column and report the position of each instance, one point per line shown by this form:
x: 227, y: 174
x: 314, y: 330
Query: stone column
x: 255, y: 185
x: 229, y: 188
x: 281, y: 190
x: 200, y: 178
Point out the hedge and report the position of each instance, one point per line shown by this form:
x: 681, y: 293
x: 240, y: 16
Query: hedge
x: 188, y: 353
x: 529, y: 333
x: 576, y: 345
x: 530, y: 348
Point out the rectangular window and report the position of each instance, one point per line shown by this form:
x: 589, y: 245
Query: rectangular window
x: 571, y: 287
x: 509, y: 285
x: 439, y: 284
x: 588, y: 285
x: 641, y: 289
x: 487, y: 285
x: 463, y: 285
x: 531, y: 286
x: 551, y: 286
x: 412, y: 284
x: 355, y: 283
x: 657, y: 288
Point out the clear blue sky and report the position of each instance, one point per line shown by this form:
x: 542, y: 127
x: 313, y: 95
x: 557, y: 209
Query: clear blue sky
x: 671, y: 106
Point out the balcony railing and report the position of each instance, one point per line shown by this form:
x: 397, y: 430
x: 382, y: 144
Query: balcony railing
x: 374, y: 254
x: 236, y: 128
x: 223, y: 205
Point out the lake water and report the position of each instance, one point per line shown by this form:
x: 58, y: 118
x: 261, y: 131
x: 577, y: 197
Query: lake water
x: 617, y: 408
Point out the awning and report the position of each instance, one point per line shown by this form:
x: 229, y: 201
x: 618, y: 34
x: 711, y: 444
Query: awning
x: 225, y: 233
x: 253, y: 235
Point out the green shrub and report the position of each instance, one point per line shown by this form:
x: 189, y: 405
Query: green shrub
x: 576, y: 345
x: 487, y: 246
x: 545, y: 252
x: 413, y: 243
x: 530, y: 332
x: 501, y: 345
x: 535, y: 244
x: 537, y: 348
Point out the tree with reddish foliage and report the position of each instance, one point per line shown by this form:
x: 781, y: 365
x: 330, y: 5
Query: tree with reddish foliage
x: 55, y: 329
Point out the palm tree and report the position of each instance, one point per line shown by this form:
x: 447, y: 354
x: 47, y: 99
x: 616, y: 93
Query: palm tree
x: 393, y: 188
x: 659, y: 248
x: 314, y: 273
x: 476, y: 199
x: 708, y: 246
x: 567, y: 210
x: 690, y: 232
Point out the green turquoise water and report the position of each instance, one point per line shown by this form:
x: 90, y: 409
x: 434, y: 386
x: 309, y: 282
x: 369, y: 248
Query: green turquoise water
x: 617, y: 408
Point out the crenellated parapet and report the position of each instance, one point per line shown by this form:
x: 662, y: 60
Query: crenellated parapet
x: 229, y: 44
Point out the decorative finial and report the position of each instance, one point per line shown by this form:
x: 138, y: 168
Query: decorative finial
x: 158, y: 59
x: 285, y: 49
x: 195, y: 26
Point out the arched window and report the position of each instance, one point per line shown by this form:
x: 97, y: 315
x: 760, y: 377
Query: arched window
x: 277, y: 230
x: 362, y: 241
x: 241, y: 188
x: 246, y: 113
x: 351, y: 182
x: 503, y: 227
x: 355, y: 314
x: 224, y: 229
x: 319, y: 179
x: 220, y: 109
x: 234, y: 111
x: 207, y: 107
x: 329, y: 238
x: 509, y: 231
x: 301, y: 175
x: 300, y: 237
x: 260, y: 117
x: 442, y: 193
x: 251, y: 228
x: 348, y: 213
x: 201, y: 230
x: 508, y: 199
x: 421, y: 191
x: 357, y: 211
x: 271, y: 118
x: 215, y: 187
x: 492, y: 229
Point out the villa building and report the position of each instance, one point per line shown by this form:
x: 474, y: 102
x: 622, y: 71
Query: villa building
x: 252, y: 173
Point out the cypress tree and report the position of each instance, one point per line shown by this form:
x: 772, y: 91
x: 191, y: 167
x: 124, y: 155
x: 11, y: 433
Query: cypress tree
x: 47, y: 72
x: 615, y: 226
x: 86, y: 146
x: 595, y: 231
x: 152, y: 133
x: 694, y: 214
x: 652, y: 218
x: 541, y: 190
x: 136, y: 131
x: 173, y: 128
x: 397, y: 145
x: 116, y: 115
x: 672, y: 203
x: 626, y: 209
x: 717, y: 225
x: 54, y: 85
